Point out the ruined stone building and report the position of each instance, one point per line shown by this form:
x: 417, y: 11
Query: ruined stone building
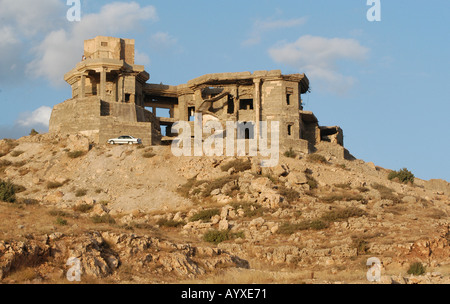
x: 111, y: 97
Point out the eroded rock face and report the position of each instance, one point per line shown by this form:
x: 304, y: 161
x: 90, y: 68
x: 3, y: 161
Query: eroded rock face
x: 102, y: 254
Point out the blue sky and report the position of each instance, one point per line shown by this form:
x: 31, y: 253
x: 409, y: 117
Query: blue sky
x: 384, y: 83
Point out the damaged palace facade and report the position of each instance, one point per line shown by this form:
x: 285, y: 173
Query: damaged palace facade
x: 111, y: 97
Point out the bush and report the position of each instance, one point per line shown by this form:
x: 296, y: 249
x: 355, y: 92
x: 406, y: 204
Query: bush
x: 250, y: 209
x: 290, y: 228
x: 75, y: 154
x: 33, y: 132
x: 343, y: 214
x: 403, y: 176
x: 312, y: 182
x: 316, y: 158
x: 290, y: 195
x: 61, y: 221
x: 416, y: 269
x: 204, y: 215
x: 239, y: 165
x: 170, y: 223
x: 7, y: 192
x: 83, y: 208
x: 216, y: 236
x: 103, y: 219
x: 290, y: 153
x: 218, y: 184
x: 16, y: 153
x: 54, y: 185
x: 80, y: 192
x: 148, y: 154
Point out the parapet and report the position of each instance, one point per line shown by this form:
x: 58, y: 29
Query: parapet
x: 102, y: 47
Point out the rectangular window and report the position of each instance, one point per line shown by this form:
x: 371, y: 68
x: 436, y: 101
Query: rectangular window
x: 289, y: 129
x: 288, y: 99
x: 127, y: 97
x: 104, y: 43
x: 246, y: 104
x: 191, y: 113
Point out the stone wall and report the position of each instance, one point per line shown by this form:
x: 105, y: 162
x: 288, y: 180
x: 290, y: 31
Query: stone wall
x: 100, y: 120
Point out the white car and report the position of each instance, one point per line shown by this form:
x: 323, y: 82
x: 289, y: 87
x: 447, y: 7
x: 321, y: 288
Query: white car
x: 125, y: 139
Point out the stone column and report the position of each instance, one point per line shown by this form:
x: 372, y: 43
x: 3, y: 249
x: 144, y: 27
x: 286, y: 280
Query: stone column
x: 257, y: 102
x: 103, y: 84
x: 82, y: 88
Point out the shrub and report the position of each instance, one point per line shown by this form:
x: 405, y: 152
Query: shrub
x: 204, y: 215
x: 83, y: 208
x: 103, y: 219
x: 290, y: 153
x: 58, y: 213
x: 54, y: 185
x: 250, y: 209
x: 343, y: 214
x: 170, y: 223
x: 33, y: 132
x: 239, y: 165
x: 316, y: 158
x: 7, y: 192
x: 416, y: 268
x: 216, y: 236
x: 312, y: 182
x: 290, y: 228
x: 290, y: 195
x: 343, y: 186
x: 403, y: 176
x: 148, y: 154
x: 75, y: 154
x: 80, y: 192
x: 386, y: 193
x: 16, y: 153
x: 219, y: 183
x: 61, y: 221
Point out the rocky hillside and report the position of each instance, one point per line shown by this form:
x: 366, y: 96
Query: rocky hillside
x: 141, y: 215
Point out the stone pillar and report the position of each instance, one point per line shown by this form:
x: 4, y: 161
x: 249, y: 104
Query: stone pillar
x: 257, y: 101
x: 103, y: 84
x: 82, y: 88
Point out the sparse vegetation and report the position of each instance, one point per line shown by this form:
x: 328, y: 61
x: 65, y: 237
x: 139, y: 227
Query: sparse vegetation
x: 204, y: 215
x: 416, y: 268
x: 103, y: 219
x: 7, y: 191
x: 289, y: 194
x: 83, y: 208
x: 250, y: 209
x: 33, y: 132
x: 404, y: 176
x: 60, y: 221
x: 216, y: 236
x: 290, y: 228
x: 148, y: 154
x: 290, y: 153
x: 239, y: 165
x: 316, y: 158
x: 343, y: 197
x: 163, y: 222
x: 219, y: 183
x: 80, y: 192
x: 16, y: 153
x: 343, y: 214
x: 386, y: 193
x: 75, y: 154
x: 54, y: 185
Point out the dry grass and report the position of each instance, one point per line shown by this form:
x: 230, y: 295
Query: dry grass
x: 239, y: 165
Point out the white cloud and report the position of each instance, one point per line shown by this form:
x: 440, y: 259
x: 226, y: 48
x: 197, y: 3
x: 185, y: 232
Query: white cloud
x: 141, y: 58
x: 162, y: 41
x: 39, y: 117
x: 262, y: 26
x: 30, y: 17
x: 62, y: 49
x: 318, y: 58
